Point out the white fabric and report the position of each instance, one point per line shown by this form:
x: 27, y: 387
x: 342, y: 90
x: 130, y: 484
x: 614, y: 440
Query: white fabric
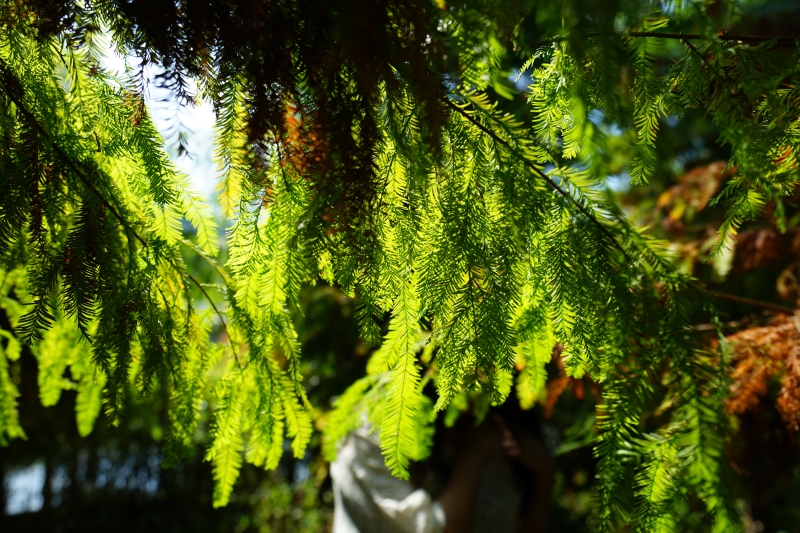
x: 369, y: 498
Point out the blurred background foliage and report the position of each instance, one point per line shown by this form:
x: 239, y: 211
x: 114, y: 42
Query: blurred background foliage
x: 114, y: 479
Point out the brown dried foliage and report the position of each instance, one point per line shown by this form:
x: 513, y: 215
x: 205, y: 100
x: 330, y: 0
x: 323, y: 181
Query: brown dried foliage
x: 758, y: 247
x: 789, y: 397
x: 755, y: 247
x: 563, y: 383
x: 692, y: 192
x: 302, y: 148
x: 760, y: 355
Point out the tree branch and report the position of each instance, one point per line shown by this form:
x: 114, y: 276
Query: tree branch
x: 739, y: 96
x: 716, y: 294
x: 227, y: 281
x: 682, y: 36
x: 68, y: 160
x: 750, y: 301
x: 542, y: 175
x: 62, y: 154
x: 725, y: 37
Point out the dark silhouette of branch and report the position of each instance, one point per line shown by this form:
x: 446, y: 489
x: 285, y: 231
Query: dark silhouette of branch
x: 683, y: 36
x: 724, y: 37
x: 750, y: 301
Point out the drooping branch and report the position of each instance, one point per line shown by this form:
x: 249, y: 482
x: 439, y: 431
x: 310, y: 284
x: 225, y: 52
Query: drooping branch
x: 738, y: 95
x: 219, y: 314
x: 14, y: 97
x: 715, y: 294
x: 544, y: 176
x: 11, y: 94
x: 750, y: 301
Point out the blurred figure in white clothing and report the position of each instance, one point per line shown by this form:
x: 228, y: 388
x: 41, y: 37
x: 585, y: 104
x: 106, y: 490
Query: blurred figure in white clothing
x: 496, y: 478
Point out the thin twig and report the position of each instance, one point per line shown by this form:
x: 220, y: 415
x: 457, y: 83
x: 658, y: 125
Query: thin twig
x: 721, y: 77
x: 542, y: 175
x: 211, y: 302
x: 716, y: 294
x: 559, y: 39
x: 681, y: 36
x: 224, y: 275
x: 213, y: 305
x: 702, y: 58
x: 739, y: 96
x: 725, y: 37
x: 227, y: 281
x: 750, y: 301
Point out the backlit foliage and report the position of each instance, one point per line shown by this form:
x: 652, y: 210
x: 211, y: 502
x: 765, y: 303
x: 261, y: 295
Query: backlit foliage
x: 353, y: 150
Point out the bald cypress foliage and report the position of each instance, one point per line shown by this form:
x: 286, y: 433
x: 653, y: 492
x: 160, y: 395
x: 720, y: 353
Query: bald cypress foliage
x: 359, y: 143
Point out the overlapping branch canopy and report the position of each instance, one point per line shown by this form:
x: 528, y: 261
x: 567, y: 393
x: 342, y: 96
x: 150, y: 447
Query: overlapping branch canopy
x: 361, y: 143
